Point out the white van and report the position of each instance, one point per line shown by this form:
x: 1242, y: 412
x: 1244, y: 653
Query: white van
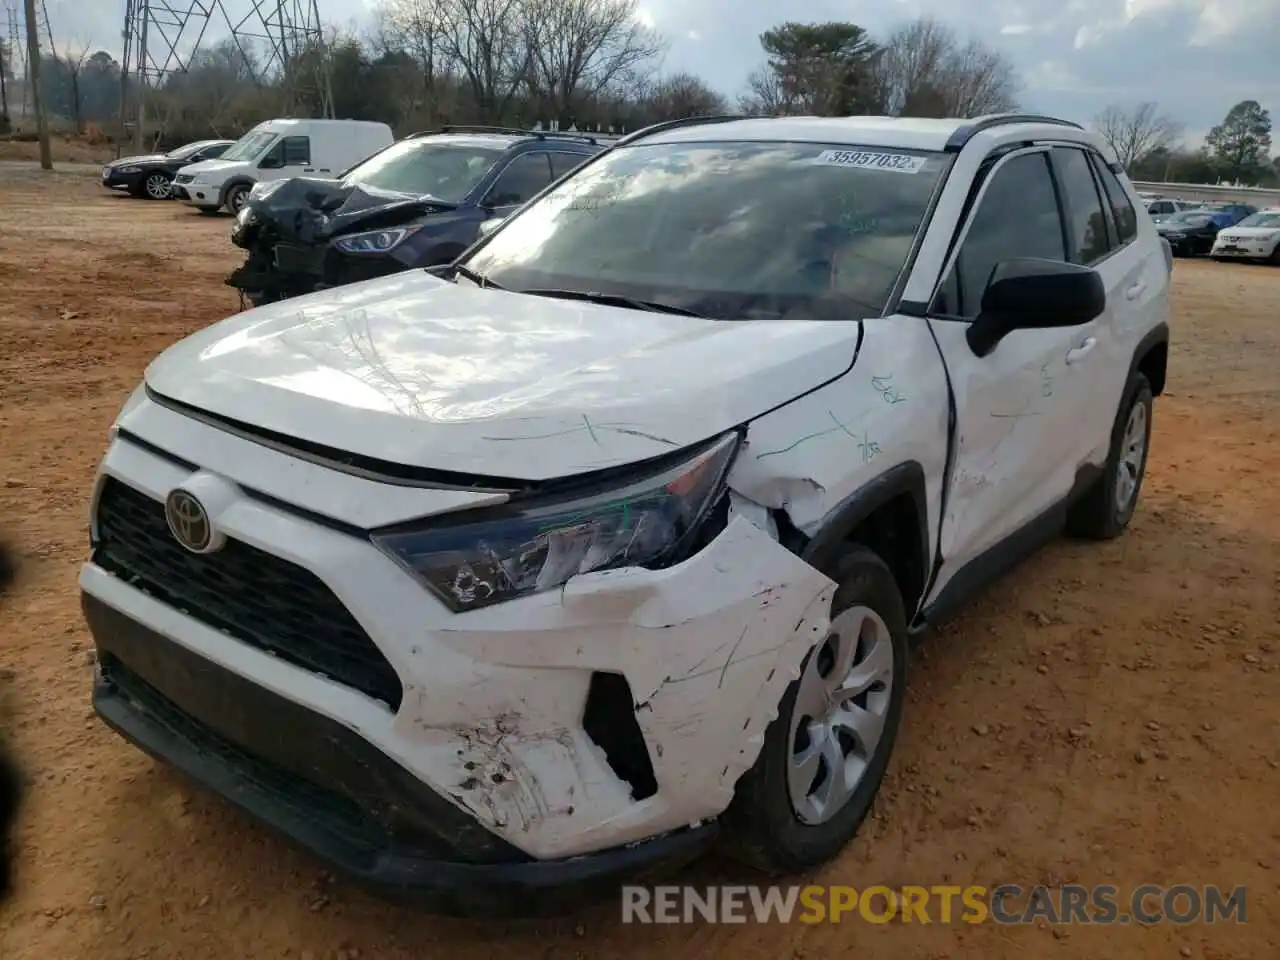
x: 276, y: 150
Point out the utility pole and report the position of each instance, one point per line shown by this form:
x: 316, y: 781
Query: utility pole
x: 140, y: 75
x: 33, y: 66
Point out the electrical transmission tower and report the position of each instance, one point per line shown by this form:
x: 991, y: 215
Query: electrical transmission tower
x: 281, y: 43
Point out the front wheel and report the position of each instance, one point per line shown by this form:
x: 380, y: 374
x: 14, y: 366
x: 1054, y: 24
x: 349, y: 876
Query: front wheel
x: 1108, y: 506
x: 825, y: 754
x: 236, y: 197
x: 157, y: 186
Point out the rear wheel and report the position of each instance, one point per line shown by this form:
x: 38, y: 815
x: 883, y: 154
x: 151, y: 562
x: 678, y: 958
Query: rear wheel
x: 1104, y: 512
x: 824, y: 755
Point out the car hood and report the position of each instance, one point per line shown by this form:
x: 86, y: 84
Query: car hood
x: 142, y: 158
x: 213, y: 166
x: 311, y: 210
x: 418, y: 371
x: 1239, y: 231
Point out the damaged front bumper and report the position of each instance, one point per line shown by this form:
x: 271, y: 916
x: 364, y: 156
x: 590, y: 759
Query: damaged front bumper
x: 327, y: 790
x: 552, y: 742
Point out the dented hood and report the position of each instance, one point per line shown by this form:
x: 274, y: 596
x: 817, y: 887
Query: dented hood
x: 309, y: 210
x: 419, y: 371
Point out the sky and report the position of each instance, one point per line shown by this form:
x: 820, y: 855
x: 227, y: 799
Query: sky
x: 1074, y: 57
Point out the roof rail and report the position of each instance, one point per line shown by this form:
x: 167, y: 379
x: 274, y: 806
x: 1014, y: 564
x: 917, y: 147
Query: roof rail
x: 682, y: 122
x: 956, y: 142
x: 587, y: 136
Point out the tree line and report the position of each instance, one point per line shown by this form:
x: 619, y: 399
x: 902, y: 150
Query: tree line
x: 1150, y: 145
x: 595, y: 64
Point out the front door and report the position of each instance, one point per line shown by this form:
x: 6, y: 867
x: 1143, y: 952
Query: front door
x: 1007, y: 463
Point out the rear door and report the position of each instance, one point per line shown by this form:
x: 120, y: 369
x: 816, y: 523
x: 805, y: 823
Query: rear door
x: 1094, y: 366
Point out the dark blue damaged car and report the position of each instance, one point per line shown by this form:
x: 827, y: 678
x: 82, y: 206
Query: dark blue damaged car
x: 418, y: 203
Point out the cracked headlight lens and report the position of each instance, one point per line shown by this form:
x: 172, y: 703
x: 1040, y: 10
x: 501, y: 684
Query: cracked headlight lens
x: 528, y: 545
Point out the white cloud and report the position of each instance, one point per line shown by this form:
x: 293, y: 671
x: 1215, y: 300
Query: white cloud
x: 1015, y: 29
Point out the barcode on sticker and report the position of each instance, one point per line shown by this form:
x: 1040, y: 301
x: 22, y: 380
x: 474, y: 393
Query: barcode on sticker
x: 894, y: 162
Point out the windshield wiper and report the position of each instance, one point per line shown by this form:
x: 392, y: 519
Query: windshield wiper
x: 618, y: 300
x: 479, y: 279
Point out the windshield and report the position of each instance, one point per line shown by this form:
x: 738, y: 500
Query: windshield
x: 729, y: 230
x: 187, y: 149
x: 1261, y: 220
x: 249, y: 146
x: 420, y: 167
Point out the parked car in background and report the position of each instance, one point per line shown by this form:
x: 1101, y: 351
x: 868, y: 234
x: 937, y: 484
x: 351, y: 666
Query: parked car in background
x: 1162, y: 207
x: 1256, y: 237
x: 418, y: 203
x: 278, y: 150
x: 1236, y: 211
x: 151, y: 175
x: 1193, y: 232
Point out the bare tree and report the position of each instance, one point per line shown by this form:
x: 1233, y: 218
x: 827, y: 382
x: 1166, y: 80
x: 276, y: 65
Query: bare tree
x: 487, y: 39
x: 765, y: 96
x: 925, y: 70
x: 578, y: 48
x: 1136, y: 132
x: 680, y: 95
x: 416, y: 27
x: 74, y: 63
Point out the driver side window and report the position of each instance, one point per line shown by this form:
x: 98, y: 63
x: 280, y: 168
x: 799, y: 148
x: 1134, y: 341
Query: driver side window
x: 523, y: 177
x: 1018, y: 216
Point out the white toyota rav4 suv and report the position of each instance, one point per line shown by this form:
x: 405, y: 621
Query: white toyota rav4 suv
x: 498, y: 584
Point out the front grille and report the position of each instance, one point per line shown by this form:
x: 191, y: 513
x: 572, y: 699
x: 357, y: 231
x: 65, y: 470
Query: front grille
x: 255, y: 597
x: 184, y: 178
x: 295, y: 258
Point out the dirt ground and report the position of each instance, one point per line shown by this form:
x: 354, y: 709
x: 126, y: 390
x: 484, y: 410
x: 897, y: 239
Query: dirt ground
x: 1108, y: 714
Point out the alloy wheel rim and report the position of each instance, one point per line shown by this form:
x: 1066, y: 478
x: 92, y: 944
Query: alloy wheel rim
x: 157, y: 186
x: 1133, y: 456
x: 839, y: 716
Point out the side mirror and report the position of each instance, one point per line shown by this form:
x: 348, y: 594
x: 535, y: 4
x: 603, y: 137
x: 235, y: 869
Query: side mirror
x: 1033, y: 294
x: 491, y: 225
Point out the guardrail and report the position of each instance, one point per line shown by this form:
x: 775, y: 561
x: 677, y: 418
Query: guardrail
x: 1213, y: 193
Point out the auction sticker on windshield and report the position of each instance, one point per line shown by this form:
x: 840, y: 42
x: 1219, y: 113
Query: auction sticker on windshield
x: 894, y: 162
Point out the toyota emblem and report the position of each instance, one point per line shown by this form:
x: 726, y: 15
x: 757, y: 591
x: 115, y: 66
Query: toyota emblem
x: 188, y: 521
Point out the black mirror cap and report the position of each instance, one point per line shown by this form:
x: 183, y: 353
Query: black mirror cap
x: 1028, y: 293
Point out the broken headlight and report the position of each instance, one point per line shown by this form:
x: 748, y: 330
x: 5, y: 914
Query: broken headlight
x: 520, y: 548
x: 375, y: 241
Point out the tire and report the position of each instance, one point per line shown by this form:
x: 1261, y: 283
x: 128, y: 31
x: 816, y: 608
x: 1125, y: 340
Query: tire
x: 156, y: 186
x: 1100, y: 514
x: 1274, y: 259
x: 763, y: 827
x: 235, y: 197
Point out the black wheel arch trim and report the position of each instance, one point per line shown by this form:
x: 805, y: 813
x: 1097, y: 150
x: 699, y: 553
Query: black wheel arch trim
x: 1155, y: 337
x: 845, y: 517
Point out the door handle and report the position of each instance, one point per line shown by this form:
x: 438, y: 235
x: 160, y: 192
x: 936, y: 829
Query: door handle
x: 1134, y: 290
x: 1079, y: 353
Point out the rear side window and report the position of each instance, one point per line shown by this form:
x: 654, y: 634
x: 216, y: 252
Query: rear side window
x: 297, y: 151
x: 1121, y: 206
x: 1087, y: 219
x: 562, y: 163
x: 1017, y: 217
x: 217, y: 150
